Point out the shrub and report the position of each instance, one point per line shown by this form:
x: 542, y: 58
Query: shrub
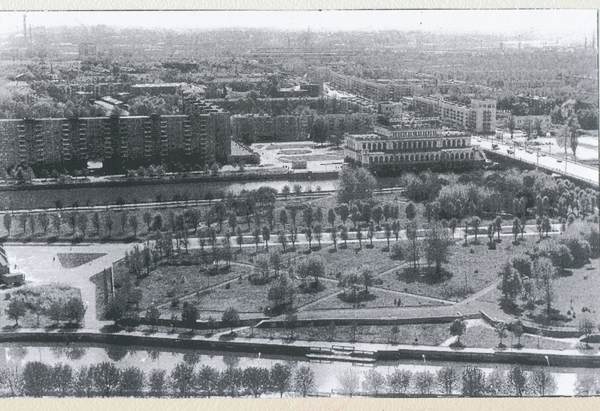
x: 579, y: 248
x: 396, y: 252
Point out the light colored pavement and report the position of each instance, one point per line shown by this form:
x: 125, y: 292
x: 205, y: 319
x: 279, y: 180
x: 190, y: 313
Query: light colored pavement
x: 567, y: 168
x: 41, y: 265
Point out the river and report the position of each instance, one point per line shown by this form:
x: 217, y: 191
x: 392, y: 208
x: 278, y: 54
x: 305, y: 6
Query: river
x: 47, y: 197
x: 147, y: 359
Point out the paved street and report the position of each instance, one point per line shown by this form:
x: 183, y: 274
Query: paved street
x: 548, y: 162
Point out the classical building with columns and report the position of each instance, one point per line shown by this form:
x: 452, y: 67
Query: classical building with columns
x: 412, y: 147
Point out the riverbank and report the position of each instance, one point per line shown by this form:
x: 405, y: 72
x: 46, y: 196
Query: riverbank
x: 315, y: 350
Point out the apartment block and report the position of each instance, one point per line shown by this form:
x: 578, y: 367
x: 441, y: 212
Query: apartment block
x: 252, y: 128
x: 203, y: 135
x: 479, y: 116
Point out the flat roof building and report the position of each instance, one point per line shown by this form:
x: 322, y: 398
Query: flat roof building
x: 411, y: 147
x: 479, y: 116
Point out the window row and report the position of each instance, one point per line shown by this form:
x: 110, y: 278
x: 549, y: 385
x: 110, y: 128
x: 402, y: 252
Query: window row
x: 422, y: 157
x: 413, y: 144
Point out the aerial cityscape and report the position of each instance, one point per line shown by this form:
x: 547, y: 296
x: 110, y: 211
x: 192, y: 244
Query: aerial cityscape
x: 381, y: 204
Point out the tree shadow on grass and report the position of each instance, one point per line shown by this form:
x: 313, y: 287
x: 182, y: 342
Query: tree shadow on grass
x: 332, y: 250
x: 555, y: 319
x: 510, y: 307
x: 423, y: 275
x: 565, y: 273
x: 111, y: 328
x: 361, y: 297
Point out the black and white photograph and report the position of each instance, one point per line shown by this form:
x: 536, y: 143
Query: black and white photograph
x: 291, y: 204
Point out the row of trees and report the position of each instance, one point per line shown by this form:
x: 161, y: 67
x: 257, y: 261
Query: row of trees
x: 71, y: 310
x: 468, y: 382
x: 37, y: 379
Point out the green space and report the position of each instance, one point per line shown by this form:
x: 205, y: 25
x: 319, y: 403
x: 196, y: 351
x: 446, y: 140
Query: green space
x: 426, y: 334
x: 72, y: 260
x: 376, y: 299
x: 469, y: 270
x: 47, y: 305
x: 485, y: 337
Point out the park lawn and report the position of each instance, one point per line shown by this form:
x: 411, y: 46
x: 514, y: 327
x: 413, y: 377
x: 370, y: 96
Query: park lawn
x: 247, y: 298
x: 377, y: 298
x: 346, y: 260
x: 427, y: 334
x: 169, y: 282
x: 481, y: 336
x: 572, y: 293
x: 465, y: 273
x: 36, y: 296
x: 72, y: 260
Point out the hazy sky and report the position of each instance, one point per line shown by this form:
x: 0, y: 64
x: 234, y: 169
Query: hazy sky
x: 576, y: 23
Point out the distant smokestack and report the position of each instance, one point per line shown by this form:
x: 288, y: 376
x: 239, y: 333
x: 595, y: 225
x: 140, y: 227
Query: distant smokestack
x: 25, y: 27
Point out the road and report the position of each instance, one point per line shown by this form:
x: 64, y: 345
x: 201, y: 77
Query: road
x: 567, y: 168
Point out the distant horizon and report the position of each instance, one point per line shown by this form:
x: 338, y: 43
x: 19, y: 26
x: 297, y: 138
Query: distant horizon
x: 550, y: 24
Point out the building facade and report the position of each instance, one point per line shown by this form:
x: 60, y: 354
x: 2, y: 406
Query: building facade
x: 251, y: 128
x: 479, y: 116
x: 408, y: 147
x: 524, y: 122
x: 202, y: 136
x: 376, y: 90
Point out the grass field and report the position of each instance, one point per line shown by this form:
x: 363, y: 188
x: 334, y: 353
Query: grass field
x: 352, y: 258
x: 246, y: 298
x: 427, y: 334
x: 40, y: 296
x: 377, y: 298
x: 72, y: 260
x: 465, y: 273
x: 485, y: 337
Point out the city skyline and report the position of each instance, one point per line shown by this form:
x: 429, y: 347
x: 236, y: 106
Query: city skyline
x: 548, y: 25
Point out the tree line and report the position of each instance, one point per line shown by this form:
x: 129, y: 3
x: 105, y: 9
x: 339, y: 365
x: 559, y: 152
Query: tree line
x: 187, y: 379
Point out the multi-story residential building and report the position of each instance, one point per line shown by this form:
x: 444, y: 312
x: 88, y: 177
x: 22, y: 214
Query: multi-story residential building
x: 523, y: 122
x: 376, y: 90
x: 411, y: 147
x: 155, y: 89
x: 250, y: 128
x: 479, y: 117
x: 201, y: 136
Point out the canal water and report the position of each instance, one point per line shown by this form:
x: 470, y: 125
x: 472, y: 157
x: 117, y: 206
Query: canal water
x: 147, y: 359
x: 47, y: 198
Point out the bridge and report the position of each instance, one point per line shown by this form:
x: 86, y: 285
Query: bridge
x: 542, y: 160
